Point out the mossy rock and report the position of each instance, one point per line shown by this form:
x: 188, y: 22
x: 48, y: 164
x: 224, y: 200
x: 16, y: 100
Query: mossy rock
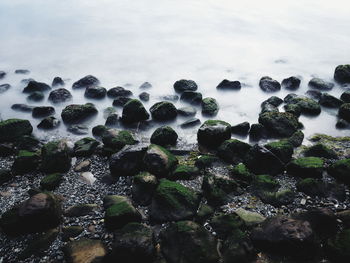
x: 241, y: 174
x: 344, y: 111
x: 71, y: 232
x: 210, y: 107
x: 117, y: 139
x: 283, y: 197
x: 164, y: 136
x: 265, y: 183
x: 185, y: 85
x: 280, y: 124
x: 28, y: 143
x: 341, y: 170
x: 233, y: 150
x: 51, y: 181
x: 84, y: 250
x: 311, y: 187
x: 294, y: 109
x: 76, y: 113
x: 143, y: 188
x: 163, y: 111
x: 12, y: 129
x: 308, y: 106
x: 134, y: 111
x: 321, y: 150
x: 184, y: 172
x: 80, y: 210
x: 296, y: 139
x: 85, y: 147
x: 306, y: 167
x: 342, y: 74
x: 205, y: 161
x: 227, y: 224
x: 338, y: 247
x: 283, y: 149
x: 99, y: 130
x: 55, y: 157
x: 213, y: 132
x: 26, y: 162
x: 204, y: 213
x: 173, y: 202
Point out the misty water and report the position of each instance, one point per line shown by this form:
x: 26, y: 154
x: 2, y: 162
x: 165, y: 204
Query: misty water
x: 125, y: 43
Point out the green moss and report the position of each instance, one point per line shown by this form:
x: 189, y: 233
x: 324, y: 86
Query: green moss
x: 185, y: 226
x: 283, y: 149
x: 210, y: 106
x: 309, y: 162
x: 172, y: 160
x: 321, y: 150
x: 204, y: 212
x: 216, y: 122
x: 217, y: 188
x: 265, y: 183
x: 233, y: 150
x: 341, y: 170
x: 205, y: 161
x: 14, y: 128
x: 241, y: 174
x: 119, y: 209
x: 226, y: 225
x: 51, y: 181
x: 184, y: 172
x: 24, y: 153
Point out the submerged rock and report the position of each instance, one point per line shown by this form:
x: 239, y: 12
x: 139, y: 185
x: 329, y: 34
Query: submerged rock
x: 330, y: 101
x: 85, y: 82
x: 118, y: 92
x: 34, y: 86
x: 280, y: 124
x: 185, y: 85
x: 146, y: 85
x: 163, y: 111
x: 268, y: 84
x: 95, y: 92
x: 36, y: 96
x: 60, y: 95
x: 22, y: 71
x: 121, y: 101
x: 342, y: 74
x: 210, y: 106
x: 314, y: 94
x: 213, y: 132
x: 291, y: 83
x: 57, y: 81
x: 144, y: 96
x: 344, y: 111
x: 76, y: 113
x: 229, y: 85
x: 241, y: 128
x: 345, y: 96
x: 4, y: 88
x: 191, y: 97
x: 164, y: 136
x: 43, y: 111
x: 12, y: 129
x: 78, y: 129
x: 134, y: 111
x: 2, y: 74
x: 187, y: 111
x: 190, y: 123
x: 320, y: 84
x: 49, y: 123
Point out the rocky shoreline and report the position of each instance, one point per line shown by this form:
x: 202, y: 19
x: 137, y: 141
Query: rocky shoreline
x: 119, y: 197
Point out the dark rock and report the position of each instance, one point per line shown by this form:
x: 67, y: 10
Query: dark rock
x: 164, y: 136
x: 308, y: 106
x: 264, y: 182
x: 241, y: 175
x: 71, y: 232
x: 241, y: 128
x: 22, y: 71
x: 314, y: 94
x: 330, y: 101
x: 185, y: 85
x: 28, y: 143
x: 345, y: 96
x: 320, y: 84
x: 296, y: 139
x: 226, y: 225
x: 85, y: 82
x: 280, y: 124
x: 43, y: 111
x: 2, y: 74
x: 118, y: 92
x: 342, y: 74
x: 112, y: 120
x: 144, y: 96
x: 173, y: 98
x: 291, y: 83
x: 95, y: 92
x: 294, y: 109
x: 84, y: 250
x: 36, y: 96
x: 25, y: 162
x: 49, y: 123
x: 283, y: 149
x: 134, y: 111
x: 273, y: 100
x: 6, y: 149
x: 76, y: 113
x: 80, y: 210
x: 191, y: 97
x: 78, y: 129
x: 233, y: 150
x: 13, y: 129
x: 36, y: 86
x: 205, y: 161
x: 51, y: 181
x: 109, y: 111
x: 163, y: 111
x: 267, y: 107
x: 55, y: 157
x: 85, y: 146
x: 290, y: 97
x: 344, y: 111
x: 190, y: 123
x: 146, y: 85
x: 341, y: 170
x: 229, y: 85
x: 99, y: 130
x: 268, y: 84
x: 173, y: 202
x: 306, y: 167
x: 117, y: 139
x: 187, y: 111
x: 57, y: 81
x: 312, y: 187
x: 188, y: 242
x: 60, y: 95
x: 4, y: 88
x: 210, y: 106
x: 338, y: 247
x: 257, y: 131
x: 143, y: 188
x: 213, y: 132
x: 342, y: 124
x: 321, y: 150
x: 184, y: 172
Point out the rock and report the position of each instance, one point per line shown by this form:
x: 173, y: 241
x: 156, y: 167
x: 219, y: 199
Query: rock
x: 345, y: 96
x: 330, y: 101
x: 112, y: 120
x: 184, y: 172
x: 257, y: 131
x: 118, y: 92
x: 264, y: 182
x: 227, y: 224
x: 95, y: 92
x: 268, y: 84
x: 146, y: 85
x: 321, y: 150
x: 190, y: 123
x: 117, y: 139
x: 164, y: 136
x: 344, y: 111
x: 84, y: 251
x: 49, y: 123
x: 291, y: 83
x: 71, y: 232
x: 250, y: 218
x: 191, y: 97
x: 229, y: 85
x: 5, y: 176
x: 294, y: 109
x: 55, y: 157
x: 280, y: 124
x: 204, y: 213
x: 238, y: 248
x: 205, y: 161
x: 241, y: 128
x: 85, y: 82
x: 120, y: 213
x: 76, y: 113
x: 78, y: 129
x: 22, y: 107
x: 173, y: 98
x: 57, y: 81
x: 99, y: 130
x: 267, y: 107
x: 60, y: 95
x: 342, y: 74
x: 87, y: 177
x: 341, y: 170
x: 159, y: 161
x: 283, y: 149
x: 144, y: 96
x: 35, y: 96
x: 12, y: 129
x: 128, y: 161
x: 320, y: 84
x: 342, y: 124
x: 306, y: 167
x: 80, y: 210
x: 217, y: 189
x: 6, y: 149
x: 185, y: 85
x: 28, y: 143
x: 213, y: 132
x: 133, y: 243
x: 173, y: 202
x: 2, y: 74
x: 22, y: 71
x: 233, y: 150
x: 188, y: 242
x: 296, y: 139
x: 38, y: 213
x: 121, y: 101
x: 273, y: 100
x: 43, y: 111
x: 210, y: 107
x: 338, y: 247
x: 85, y: 147
x: 163, y: 111
x: 134, y: 111
x: 307, y: 105
x: 34, y: 86
x: 312, y: 187
x: 143, y: 188
x: 260, y: 160
x: 314, y: 94
x: 25, y: 162
x: 51, y: 181
x: 83, y: 166
x: 286, y: 236
x: 4, y: 88
x: 241, y: 175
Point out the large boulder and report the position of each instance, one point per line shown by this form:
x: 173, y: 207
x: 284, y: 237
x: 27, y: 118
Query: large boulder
x: 188, y: 242
x: 134, y: 111
x: 164, y: 136
x: 306, y: 167
x: 229, y: 85
x: 210, y: 106
x: 233, y: 150
x: 77, y: 113
x: 60, y: 95
x: 163, y: 111
x: 306, y: 105
x: 173, y: 202
x: 345, y: 96
x: 241, y: 128
x: 338, y: 247
x: 85, y: 82
x: 268, y: 84
x: 341, y: 170
x: 344, y: 111
x: 330, y: 101
x: 342, y: 74
x: 118, y: 92
x: 55, y: 157
x: 143, y: 188
x: 291, y: 83
x: 191, y: 97
x: 95, y: 92
x: 85, y: 146
x: 213, y: 132
x: 185, y: 85
x: 320, y: 84
x: 12, y: 129
x: 320, y: 150
x: 280, y: 124
x: 283, y: 149
x: 25, y: 162
x: 36, y: 86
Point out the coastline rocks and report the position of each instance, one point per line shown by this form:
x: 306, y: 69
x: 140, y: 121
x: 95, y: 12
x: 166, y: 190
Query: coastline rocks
x: 184, y: 172
x: 121, y: 101
x: 43, y: 111
x: 306, y: 167
x: 4, y: 87
x: 117, y: 139
x: 85, y: 147
x: 341, y: 170
x: 185, y: 85
x: 314, y: 94
x: 187, y: 111
x: 307, y: 106
x: 163, y: 111
x: 268, y: 84
x: 213, y: 132
x: 210, y: 106
x: 57, y: 81
x: 320, y: 84
x: 188, y: 242
x: 320, y: 150
x: 22, y: 71
x: 229, y: 85
x: 233, y: 150
x: 173, y: 202
x: 344, y: 111
x: 164, y: 136
x: 143, y: 187
x: 34, y: 86
x: 112, y: 120
x: 338, y: 247
x: 60, y: 95
x: 280, y: 124
x: 84, y: 250
x: 2, y: 74
x: 134, y: 111
x: 144, y: 96
x: 291, y: 83
x: 35, y: 96
x: 76, y: 113
x: 342, y: 74
x: 283, y: 149
x: 51, y: 181
x: 13, y: 129
x: 146, y: 85
x: 78, y: 129
x: 191, y: 97
x: 95, y: 92
x: 330, y: 101
x: 241, y: 128
x: 273, y: 100
x: 118, y: 92
x: 257, y: 131
x: 25, y: 162
x: 55, y: 157
x: 345, y: 96
x: 85, y: 82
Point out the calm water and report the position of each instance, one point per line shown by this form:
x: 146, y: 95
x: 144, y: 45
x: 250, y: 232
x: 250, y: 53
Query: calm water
x: 160, y: 41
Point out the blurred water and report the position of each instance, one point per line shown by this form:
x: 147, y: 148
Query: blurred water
x: 160, y: 41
